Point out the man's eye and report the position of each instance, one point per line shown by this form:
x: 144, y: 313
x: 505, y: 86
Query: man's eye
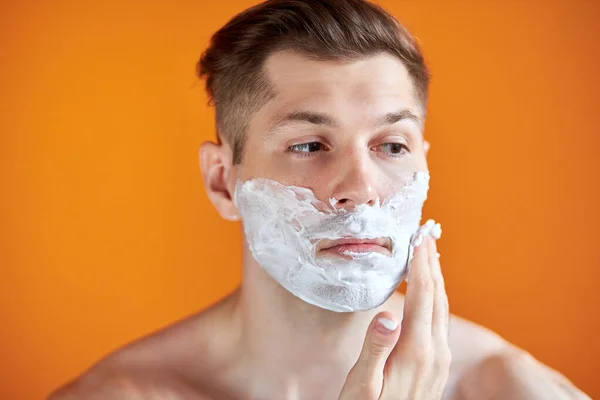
x: 310, y: 147
x: 393, y: 148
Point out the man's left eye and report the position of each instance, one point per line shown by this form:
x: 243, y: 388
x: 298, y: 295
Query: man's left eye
x: 393, y: 148
x: 310, y: 147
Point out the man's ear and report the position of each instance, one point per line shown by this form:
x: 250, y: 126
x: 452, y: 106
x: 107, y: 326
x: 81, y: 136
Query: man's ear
x: 426, y: 146
x: 216, y: 166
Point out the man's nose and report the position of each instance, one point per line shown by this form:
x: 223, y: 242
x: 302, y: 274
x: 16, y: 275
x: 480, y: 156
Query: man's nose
x: 355, y: 186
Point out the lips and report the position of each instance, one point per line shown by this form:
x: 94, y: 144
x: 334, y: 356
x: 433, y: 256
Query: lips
x: 341, y: 247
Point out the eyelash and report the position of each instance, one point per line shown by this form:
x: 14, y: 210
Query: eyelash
x: 305, y: 153
x: 403, y: 149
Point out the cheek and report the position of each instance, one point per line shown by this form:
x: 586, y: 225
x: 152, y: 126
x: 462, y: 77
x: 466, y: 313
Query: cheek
x: 420, y: 154
x: 421, y: 161
x: 257, y: 164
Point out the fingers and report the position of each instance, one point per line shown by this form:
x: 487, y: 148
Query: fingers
x: 365, y: 379
x: 422, y: 355
x: 440, y: 320
x: 418, y: 303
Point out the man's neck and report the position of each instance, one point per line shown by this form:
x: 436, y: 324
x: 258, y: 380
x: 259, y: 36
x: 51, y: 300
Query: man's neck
x: 292, y: 344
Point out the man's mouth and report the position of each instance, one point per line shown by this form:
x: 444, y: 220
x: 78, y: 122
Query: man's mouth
x: 342, y: 247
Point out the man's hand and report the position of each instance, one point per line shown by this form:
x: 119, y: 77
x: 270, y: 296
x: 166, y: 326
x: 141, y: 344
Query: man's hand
x: 412, y: 362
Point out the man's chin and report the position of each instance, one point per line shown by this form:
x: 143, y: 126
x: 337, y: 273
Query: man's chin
x: 346, y: 299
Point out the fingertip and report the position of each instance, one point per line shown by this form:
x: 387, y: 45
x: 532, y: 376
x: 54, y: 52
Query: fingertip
x: 385, y: 323
x: 380, y: 340
x: 383, y: 314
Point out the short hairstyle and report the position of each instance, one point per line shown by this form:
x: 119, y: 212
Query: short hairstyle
x: 233, y: 64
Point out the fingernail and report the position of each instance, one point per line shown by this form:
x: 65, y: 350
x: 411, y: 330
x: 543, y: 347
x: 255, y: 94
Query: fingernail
x: 386, y: 326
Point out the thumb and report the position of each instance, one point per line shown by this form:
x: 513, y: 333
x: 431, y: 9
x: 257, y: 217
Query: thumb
x: 365, y: 379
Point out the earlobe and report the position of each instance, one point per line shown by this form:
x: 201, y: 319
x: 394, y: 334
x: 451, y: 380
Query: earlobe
x: 216, y: 165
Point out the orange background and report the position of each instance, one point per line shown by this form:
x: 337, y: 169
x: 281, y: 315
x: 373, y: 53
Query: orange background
x: 107, y: 233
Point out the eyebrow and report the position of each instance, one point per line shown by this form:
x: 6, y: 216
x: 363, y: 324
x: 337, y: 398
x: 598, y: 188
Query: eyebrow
x: 397, y: 116
x: 317, y: 118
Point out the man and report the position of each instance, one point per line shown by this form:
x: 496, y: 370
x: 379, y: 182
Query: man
x: 320, y: 107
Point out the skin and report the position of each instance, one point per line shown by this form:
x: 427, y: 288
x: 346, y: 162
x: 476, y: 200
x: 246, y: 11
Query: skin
x: 261, y: 342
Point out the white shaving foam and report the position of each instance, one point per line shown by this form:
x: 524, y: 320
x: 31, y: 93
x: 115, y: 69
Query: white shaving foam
x: 284, y: 224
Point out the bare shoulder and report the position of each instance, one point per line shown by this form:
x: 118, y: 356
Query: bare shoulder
x: 487, y: 366
x: 515, y: 374
x: 131, y: 373
x: 470, y: 342
x: 141, y: 370
x: 126, y: 385
x: 97, y: 384
x: 165, y: 364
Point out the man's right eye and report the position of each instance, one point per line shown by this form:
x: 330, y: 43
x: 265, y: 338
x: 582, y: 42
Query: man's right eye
x: 311, y: 147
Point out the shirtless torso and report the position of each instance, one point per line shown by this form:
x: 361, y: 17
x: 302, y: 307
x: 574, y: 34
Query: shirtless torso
x: 199, y: 358
x: 338, y: 97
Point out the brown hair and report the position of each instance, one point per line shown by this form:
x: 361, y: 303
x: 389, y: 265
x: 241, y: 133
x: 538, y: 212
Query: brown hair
x: 319, y: 29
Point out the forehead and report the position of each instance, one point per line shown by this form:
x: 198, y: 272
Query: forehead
x: 357, y: 91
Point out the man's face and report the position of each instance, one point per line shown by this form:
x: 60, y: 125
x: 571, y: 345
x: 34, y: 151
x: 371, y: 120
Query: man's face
x: 345, y: 130
x: 348, y: 131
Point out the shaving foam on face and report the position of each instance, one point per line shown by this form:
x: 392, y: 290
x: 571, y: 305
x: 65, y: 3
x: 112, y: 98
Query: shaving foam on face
x: 284, y: 224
